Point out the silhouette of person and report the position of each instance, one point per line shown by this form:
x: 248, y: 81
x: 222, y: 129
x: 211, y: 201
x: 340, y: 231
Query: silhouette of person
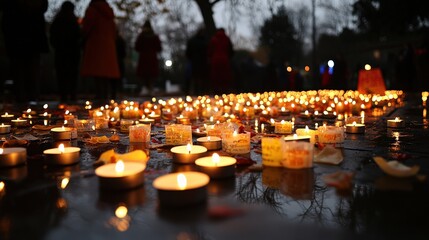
x: 148, y: 46
x: 196, y: 52
x: 121, y: 54
x: 65, y: 39
x: 220, y: 51
x: 340, y: 73
x: 25, y: 38
x: 99, y: 56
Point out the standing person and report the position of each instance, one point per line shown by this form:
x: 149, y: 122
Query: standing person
x: 65, y: 39
x: 196, y: 52
x: 99, y: 56
x: 148, y: 46
x: 23, y: 25
x: 220, y: 51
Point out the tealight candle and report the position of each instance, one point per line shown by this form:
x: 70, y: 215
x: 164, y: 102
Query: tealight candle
x: 12, y: 156
x: 19, y: 122
x: 120, y: 175
x: 4, y: 129
x: 7, y: 117
x: 146, y: 121
x: 307, y: 132
x: 181, y: 189
x: 183, y: 120
x: 217, y: 166
x: 63, y: 133
x: 62, y: 155
x: 187, y: 153
x: 210, y: 142
x: 395, y: 123
x: 296, y: 137
x: 355, y: 128
x: 283, y: 127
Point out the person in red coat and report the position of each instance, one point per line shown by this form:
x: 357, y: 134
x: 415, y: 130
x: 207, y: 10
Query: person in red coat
x: 99, y: 55
x: 220, y: 51
x: 148, y: 46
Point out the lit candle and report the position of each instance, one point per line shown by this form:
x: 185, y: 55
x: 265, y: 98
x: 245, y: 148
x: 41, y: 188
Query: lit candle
x: 236, y: 143
x: 296, y: 137
x: 181, y: 189
x: 217, y: 166
x: 210, y: 142
x: 307, y: 132
x: 120, y: 175
x: 63, y: 133
x: 4, y: 129
x: 146, y: 120
x: 178, y: 134
x: 355, y: 128
x: 187, y: 153
x: 183, y: 120
x: 330, y: 134
x: 7, y: 117
x: 298, y: 155
x: 283, y: 127
x: 395, y: 123
x: 19, y: 122
x: 12, y: 156
x: 125, y: 125
x: 62, y: 155
x: 272, y: 151
x: 139, y: 133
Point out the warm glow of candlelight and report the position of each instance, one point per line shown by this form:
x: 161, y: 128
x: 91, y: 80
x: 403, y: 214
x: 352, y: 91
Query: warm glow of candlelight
x: 215, y: 159
x: 1, y: 150
x: 397, y: 119
x: 1, y: 186
x: 65, y: 182
x: 119, y: 167
x: 181, y: 181
x: 121, y: 212
x: 208, y: 138
x: 354, y: 123
x: 189, y: 148
x: 61, y: 148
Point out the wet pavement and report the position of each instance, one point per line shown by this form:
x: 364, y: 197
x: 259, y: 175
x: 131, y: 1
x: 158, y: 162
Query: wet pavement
x: 274, y: 203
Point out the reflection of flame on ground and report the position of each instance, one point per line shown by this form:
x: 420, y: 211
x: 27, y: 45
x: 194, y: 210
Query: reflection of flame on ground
x: 121, y: 220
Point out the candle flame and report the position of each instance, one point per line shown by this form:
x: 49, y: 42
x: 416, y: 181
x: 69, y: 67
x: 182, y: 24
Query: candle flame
x: 61, y: 148
x: 29, y: 110
x: 396, y: 119
x: 2, y: 124
x: 181, y: 181
x: 63, y: 128
x: 65, y: 182
x: 189, y: 148
x: 1, y: 150
x: 119, y: 167
x: 6, y: 114
x: 307, y: 129
x: 208, y: 138
x: 295, y: 136
x: 1, y: 186
x: 121, y: 211
x: 215, y: 159
x: 354, y: 123
x: 45, y: 106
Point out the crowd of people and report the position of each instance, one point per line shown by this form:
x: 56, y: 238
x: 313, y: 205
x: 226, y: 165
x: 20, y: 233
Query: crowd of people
x: 92, y: 49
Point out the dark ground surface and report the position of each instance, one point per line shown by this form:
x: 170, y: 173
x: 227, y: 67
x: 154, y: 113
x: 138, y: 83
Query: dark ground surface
x: 273, y: 204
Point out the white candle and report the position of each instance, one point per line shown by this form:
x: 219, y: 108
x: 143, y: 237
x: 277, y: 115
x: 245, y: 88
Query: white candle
x: 236, y: 143
x: 187, y: 153
x: 181, y: 189
x: 217, y: 166
x: 62, y: 155
x: 63, y: 133
x: 298, y: 155
x: 120, y: 175
x: 12, y: 156
x: 296, y: 137
x: 210, y: 142
x: 395, y: 123
x: 355, y: 128
x: 4, y: 129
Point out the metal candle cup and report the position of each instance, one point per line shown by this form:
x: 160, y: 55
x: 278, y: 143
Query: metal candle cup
x: 181, y: 189
x: 186, y: 155
x: 10, y: 157
x: 63, y: 133
x: 210, y: 142
x: 57, y: 156
x: 217, y: 166
x: 395, y: 123
x: 131, y: 176
x: 19, y: 122
x: 355, y: 128
x: 4, y: 129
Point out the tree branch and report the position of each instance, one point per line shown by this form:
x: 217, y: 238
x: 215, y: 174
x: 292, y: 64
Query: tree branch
x: 214, y: 2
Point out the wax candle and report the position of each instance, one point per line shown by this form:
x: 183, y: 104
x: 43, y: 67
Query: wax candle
x: 146, y: 120
x: 120, y: 175
x: 139, y: 133
x: 7, y: 117
x: 283, y: 127
x: 125, y: 125
x: 84, y: 125
x: 296, y: 137
x: 178, y: 134
x: 12, y: 156
x: 19, y: 122
x: 187, y: 153
x: 236, y: 143
x: 210, y: 142
x: 181, y: 189
x: 298, y: 155
x: 63, y: 133
x: 183, y: 120
x: 4, y: 129
x: 217, y: 166
x: 330, y: 134
x: 272, y: 151
x: 355, y: 128
x: 307, y: 132
x: 395, y: 123
x: 62, y: 155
